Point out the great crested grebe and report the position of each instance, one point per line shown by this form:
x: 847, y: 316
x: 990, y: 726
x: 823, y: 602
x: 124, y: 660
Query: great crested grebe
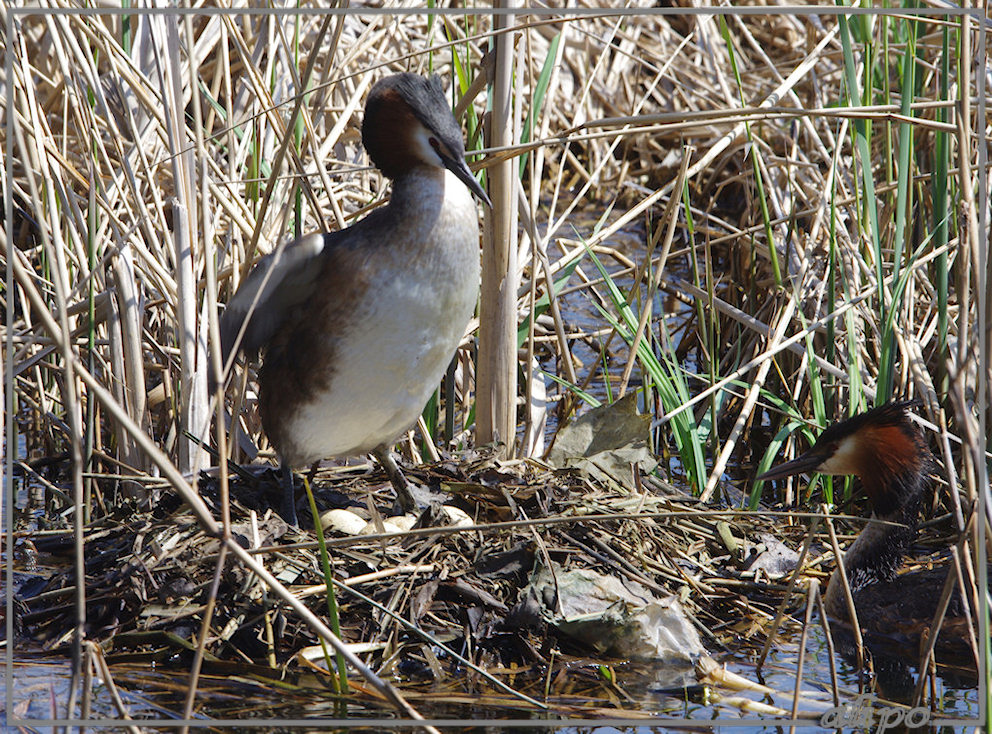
x: 888, y: 453
x: 358, y: 326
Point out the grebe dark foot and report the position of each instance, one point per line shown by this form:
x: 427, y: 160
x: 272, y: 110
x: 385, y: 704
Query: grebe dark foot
x: 288, y: 510
x: 404, y: 497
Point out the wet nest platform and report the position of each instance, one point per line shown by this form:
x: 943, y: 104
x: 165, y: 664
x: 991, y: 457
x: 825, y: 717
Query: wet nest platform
x: 414, y: 604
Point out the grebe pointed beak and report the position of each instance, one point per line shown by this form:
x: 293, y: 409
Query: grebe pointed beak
x: 807, y: 463
x: 464, y: 174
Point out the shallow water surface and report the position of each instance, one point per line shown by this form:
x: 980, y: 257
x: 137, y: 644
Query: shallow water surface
x: 640, y: 694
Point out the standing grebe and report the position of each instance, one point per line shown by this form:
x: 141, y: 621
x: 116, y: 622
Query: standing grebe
x: 887, y: 452
x: 358, y: 326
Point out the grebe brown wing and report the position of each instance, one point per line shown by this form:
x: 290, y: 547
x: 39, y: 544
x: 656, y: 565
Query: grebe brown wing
x: 277, y: 283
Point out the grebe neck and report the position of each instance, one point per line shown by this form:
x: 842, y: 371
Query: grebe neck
x: 876, y: 554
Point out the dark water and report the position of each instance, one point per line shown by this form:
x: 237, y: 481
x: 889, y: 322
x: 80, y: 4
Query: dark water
x: 155, y: 693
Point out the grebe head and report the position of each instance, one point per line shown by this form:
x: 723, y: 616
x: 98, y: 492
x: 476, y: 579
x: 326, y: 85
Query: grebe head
x: 881, y: 446
x: 408, y: 124
x: 889, y: 454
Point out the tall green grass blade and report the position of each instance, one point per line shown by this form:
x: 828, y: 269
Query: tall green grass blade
x: 817, y: 398
x: 667, y: 377
x: 126, y: 31
x: 792, y: 425
x: 862, y: 133
x: 941, y: 171
x: 755, y: 156
x: 706, y: 315
x: 832, y: 275
x: 604, y: 361
x: 431, y: 4
x: 298, y: 137
x: 253, y: 182
x: 793, y: 422
x: 459, y: 67
x: 904, y: 170
x: 880, y: 71
x: 588, y: 398
x: 861, y: 130
x: 537, y: 103
x: 432, y: 419
x: 341, y: 680
x: 900, y: 285
x: 904, y: 178
x: 463, y: 80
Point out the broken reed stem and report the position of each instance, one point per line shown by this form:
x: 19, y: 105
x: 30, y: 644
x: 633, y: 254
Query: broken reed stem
x: 812, y: 592
x: 201, y: 642
x: 669, y: 216
x: 846, y: 587
x: 828, y: 636
x: 787, y: 597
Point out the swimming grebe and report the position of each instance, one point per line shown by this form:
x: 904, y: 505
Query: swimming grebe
x: 358, y: 326
x: 888, y: 453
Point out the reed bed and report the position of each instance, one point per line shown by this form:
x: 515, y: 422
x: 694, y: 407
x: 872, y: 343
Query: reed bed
x: 807, y: 200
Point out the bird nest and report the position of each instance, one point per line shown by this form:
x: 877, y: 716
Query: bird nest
x: 413, y: 603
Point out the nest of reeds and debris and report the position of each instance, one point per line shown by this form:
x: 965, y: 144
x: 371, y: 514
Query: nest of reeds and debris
x: 149, y: 578
x: 477, y: 593
x: 509, y: 569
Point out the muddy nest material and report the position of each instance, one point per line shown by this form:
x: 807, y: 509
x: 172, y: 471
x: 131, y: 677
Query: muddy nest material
x: 148, y: 579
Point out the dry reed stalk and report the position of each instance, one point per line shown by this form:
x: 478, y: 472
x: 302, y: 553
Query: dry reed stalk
x: 496, y: 416
x: 852, y: 613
